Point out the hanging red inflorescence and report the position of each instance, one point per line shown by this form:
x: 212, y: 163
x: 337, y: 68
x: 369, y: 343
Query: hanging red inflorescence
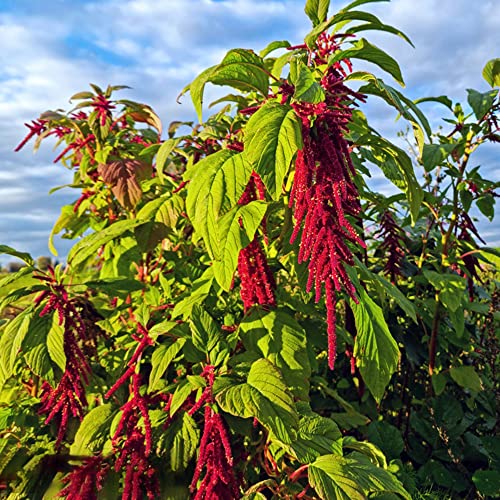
x: 257, y: 281
x: 324, y: 194
x: 85, y: 481
x: 392, y: 245
x: 133, y: 446
x: 68, y: 397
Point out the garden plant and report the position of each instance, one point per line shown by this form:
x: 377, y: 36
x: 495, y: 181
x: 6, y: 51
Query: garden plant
x: 241, y: 315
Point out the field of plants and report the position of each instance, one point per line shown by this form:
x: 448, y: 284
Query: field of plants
x: 241, y: 315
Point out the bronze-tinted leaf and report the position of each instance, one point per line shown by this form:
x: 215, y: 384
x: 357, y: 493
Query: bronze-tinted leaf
x: 123, y: 178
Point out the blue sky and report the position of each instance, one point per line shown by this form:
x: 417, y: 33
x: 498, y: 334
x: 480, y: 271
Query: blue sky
x: 52, y: 49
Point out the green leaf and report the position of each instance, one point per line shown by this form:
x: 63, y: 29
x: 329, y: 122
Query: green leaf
x: 307, y: 89
x: 161, y: 358
x: 398, y: 168
x: 375, y: 350
x: 439, y: 381
x: 55, y: 343
x: 34, y: 346
x: 407, y: 108
x: 481, y: 102
x: 364, y: 50
x: 12, y: 336
x: 280, y: 339
x: 317, y: 10
x: 278, y: 44
x: 197, y: 293
x: 487, y: 206
x: 163, y: 153
x: 67, y: 220
x: 378, y: 26
x: 390, y: 290
x: 351, y: 478
x: 264, y: 396
x: 387, y: 438
x: 241, y: 69
x: 94, y: 430
x: 442, y: 99
x: 491, y: 72
x: 487, y: 482
x: 467, y: 377
x: 185, y: 442
x: 88, y: 246
x: 182, y: 392
x: 216, y: 187
x: 273, y: 136
x: 24, y: 256
x: 205, y: 331
x: 451, y: 288
x: 235, y: 231
x: 434, y: 155
x: 317, y: 436
x: 357, y: 3
x: 113, y: 285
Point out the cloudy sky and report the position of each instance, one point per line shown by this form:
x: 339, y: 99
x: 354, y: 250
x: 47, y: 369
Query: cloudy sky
x: 51, y: 49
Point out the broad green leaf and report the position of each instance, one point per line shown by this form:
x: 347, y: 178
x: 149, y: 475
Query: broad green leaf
x: 442, y: 99
x: 205, y: 331
x: 241, y: 69
x: 24, y: 256
x: 19, y: 279
x: 113, y: 285
x: 161, y: 358
x: 264, y: 396
x: 491, y: 72
x: 434, y: 154
x: 11, y: 339
x: 88, y: 246
x: 397, y: 167
x: 94, y: 430
x: 55, y: 343
x: 406, y: 107
x: 317, y: 10
x: 378, y: 26
x: 182, y: 392
x: 487, y: 482
x: 34, y: 346
x: 451, y: 288
x: 273, y: 136
x: 390, y: 290
x: 307, y: 89
x: 163, y: 153
x: 351, y: 478
x: 364, y: 50
x: 481, y: 102
x: 317, y: 436
x: 67, y: 220
x: 357, y: 3
x: 439, y: 381
x: 218, y: 183
x: 279, y: 338
x: 184, y: 443
x: 487, y: 206
x: 196, y: 294
x: 387, y: 438
x: 278, y: 44
x: 467, y: 377
x: 375, y: 350
x: 197, y: 88
x: 235, y: 231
